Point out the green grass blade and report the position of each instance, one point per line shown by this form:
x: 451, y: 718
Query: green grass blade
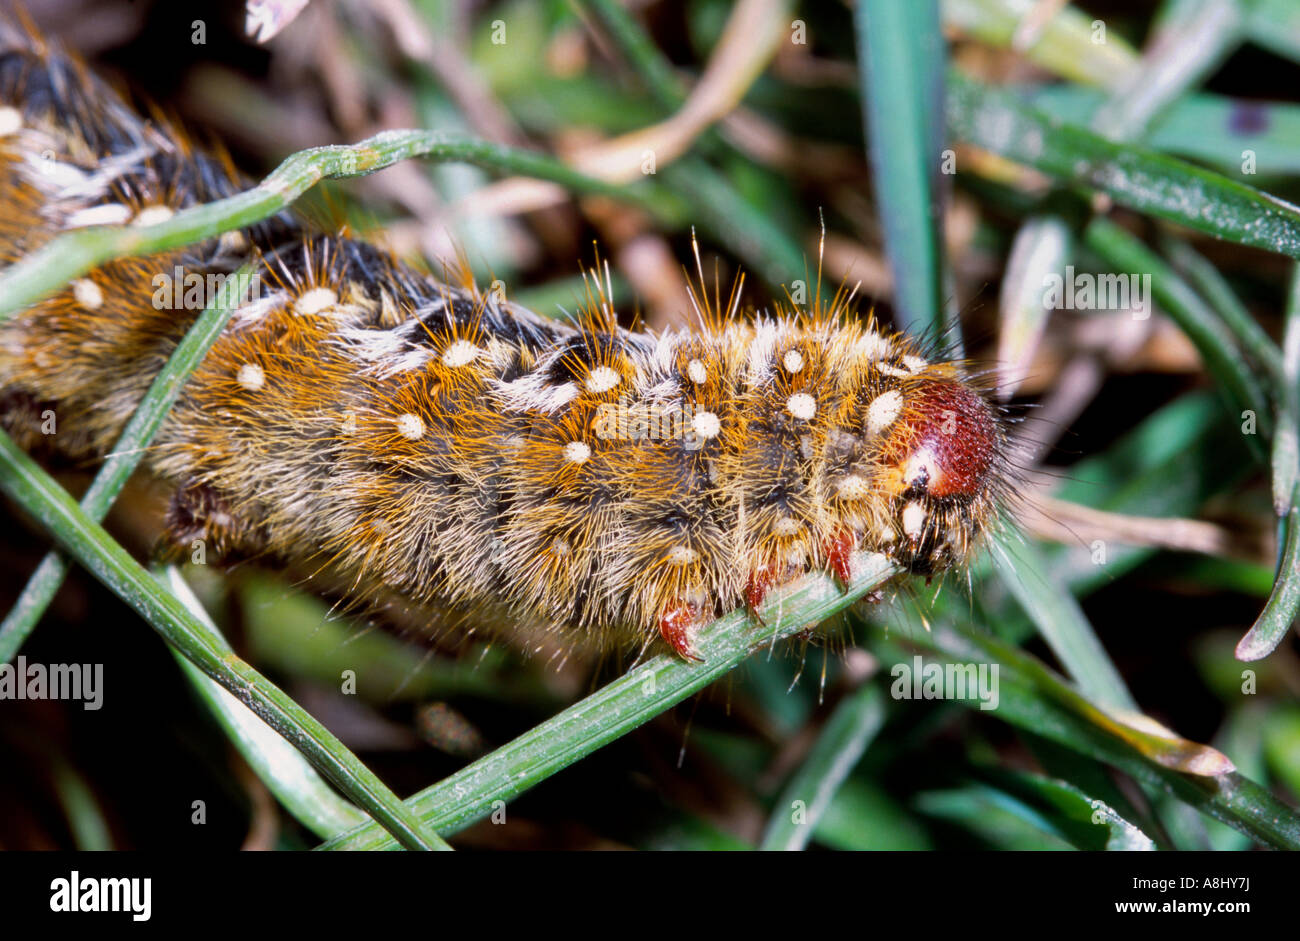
x: 1188, y: 47
x: 1062, y: 623
x: 1286, y: 443
x: 87, y: 542
x: 651, y: 64
x: 122, y: 462
x: 616, y: 709
x: 90, y: 831
x: 1212, y: 339
x: 1088, y: 822
x: 1040, y: 249
x: 1064, y: 44
x: 1283, y: 605
x: 900, y: 73
x: 1275, y: 25
x: 804, y: 801
x: 281, y: 767
x: 719, y: 209
x: 1212, y: 286
x: 1032, y: 698
x: 1141, y: 179
x: 1208, y: 128
x: 69, y: 255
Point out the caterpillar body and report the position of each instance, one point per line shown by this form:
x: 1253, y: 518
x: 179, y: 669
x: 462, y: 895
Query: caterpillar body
x: 424, y: 443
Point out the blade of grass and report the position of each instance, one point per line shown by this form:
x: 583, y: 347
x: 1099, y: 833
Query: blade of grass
x: 634, y: 698
x: 1192, y: 41
x: 900, y: 74
x: 1088, y: 822
x: 1066, y: 44
x: 1275, y: 25
x: 90, y: 832
x: 996, y: 818
x: 1283, y: 605
x: 1040, y: 250
x: 1095, y: 780
x: 1207, y: 280
x: 87, y: 542
x: 862, y: 816
x: 288, y: 775
x: 1030, y: 697
x: 1212, y: 339
x: 1188, y: 47
x: 719, y: 208
x: 1062, y: 623
x: 64, y: 258
x: 848, y: 732
x: 122, y: 462
x: 1140, y: 179
x: 1286, y: 443
x: 1209, y: 128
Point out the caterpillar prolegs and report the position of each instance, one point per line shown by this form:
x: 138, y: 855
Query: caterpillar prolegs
x: 425, y: 443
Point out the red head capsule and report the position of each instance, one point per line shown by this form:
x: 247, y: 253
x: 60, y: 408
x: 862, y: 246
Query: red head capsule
x: 952, y: 441
x: 941, y: 462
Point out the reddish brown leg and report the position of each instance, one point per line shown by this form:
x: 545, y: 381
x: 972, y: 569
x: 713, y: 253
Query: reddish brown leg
x: 677, y: 624
x: 839, y: 554
x: 760, y: 582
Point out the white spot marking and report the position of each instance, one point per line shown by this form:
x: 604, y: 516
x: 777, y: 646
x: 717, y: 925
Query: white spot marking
x: 577, y: 452
x: 232, y: 242
x: 682, y: 555
x: 254, y: 311
x: 602, y: 379
x: 87, y: 293
x: 760, y: 352
x: 792, y: 361
x: 460, y: 353
x: 890, y: 370
x: 315, y: 301
x: 914, y: 363
x: 696, y: 372
x: 11, y: 121
x: 913, y: 520
x: 706, y: 425
x: 872, y: 346
x: 151, y: 215
x: 853, y: 487
x: 801, y: 405
x: 786, y: 526
x: 106, y: 214
x: 251, y: 377
x: 410, y: 426
x: 882, y: 411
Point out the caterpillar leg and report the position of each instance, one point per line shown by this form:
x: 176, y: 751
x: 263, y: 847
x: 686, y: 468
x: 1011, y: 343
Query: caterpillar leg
x: 678, y: 625
x: 761, y: 580
x: 839, y: 551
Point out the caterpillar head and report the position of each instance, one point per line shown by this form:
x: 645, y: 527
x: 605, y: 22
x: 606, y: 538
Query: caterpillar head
x: 941, y: 466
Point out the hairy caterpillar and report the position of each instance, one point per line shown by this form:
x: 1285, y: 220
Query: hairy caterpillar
x: 428, y: 444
